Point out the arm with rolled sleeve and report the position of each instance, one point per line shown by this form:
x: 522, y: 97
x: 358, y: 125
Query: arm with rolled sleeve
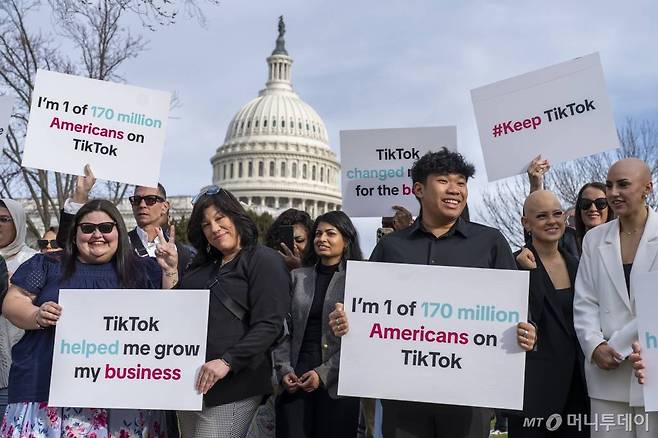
x: 586, y: 319
x: 269, y: 300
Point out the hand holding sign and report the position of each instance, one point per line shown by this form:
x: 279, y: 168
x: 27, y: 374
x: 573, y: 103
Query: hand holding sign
x: 210, y: 373
x: 84, y: 185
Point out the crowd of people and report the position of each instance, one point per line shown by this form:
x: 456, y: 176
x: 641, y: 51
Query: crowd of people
x: 276, y: 316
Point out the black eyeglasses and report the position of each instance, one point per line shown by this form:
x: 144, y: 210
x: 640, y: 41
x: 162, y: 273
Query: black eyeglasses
x: 103, y: 227
x: 43, y: 244
x: 149, y: 200
x: 208, y: 190
x: 599, y: 203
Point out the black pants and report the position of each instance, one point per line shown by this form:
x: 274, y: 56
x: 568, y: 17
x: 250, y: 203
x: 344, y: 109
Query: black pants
x: 577, y: 403
x: 403, y: 419
x: 316, y: 415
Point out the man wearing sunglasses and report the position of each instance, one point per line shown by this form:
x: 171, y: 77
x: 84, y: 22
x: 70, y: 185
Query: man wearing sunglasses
x: 150, y: 210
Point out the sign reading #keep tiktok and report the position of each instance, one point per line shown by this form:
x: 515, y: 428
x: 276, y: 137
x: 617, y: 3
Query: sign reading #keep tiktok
x: 561, y: 112
x: 118, y: 129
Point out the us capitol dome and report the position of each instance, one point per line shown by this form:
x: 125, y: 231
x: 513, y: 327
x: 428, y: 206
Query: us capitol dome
x: 276, y: 153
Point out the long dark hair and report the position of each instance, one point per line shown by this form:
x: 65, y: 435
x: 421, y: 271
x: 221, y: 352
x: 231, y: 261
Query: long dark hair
x: 228, y: 205
x: 580, y: 225
x: 123, y: 258
x: 291, y: 216
x: 346, y: 228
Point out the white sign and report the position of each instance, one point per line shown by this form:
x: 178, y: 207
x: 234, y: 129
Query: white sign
x: 132, y: 349
x: 561, y: 112
x: 118, y: 129
x: 6, y: 107
x: 376, y: 166
x: 646, y: 303
x: 434, y: 334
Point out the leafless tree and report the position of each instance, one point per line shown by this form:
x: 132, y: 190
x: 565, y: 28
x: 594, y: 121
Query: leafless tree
x: 502, y: 202
x: 102, y: 45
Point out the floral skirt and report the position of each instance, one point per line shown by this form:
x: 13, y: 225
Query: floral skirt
x: 38, y: 420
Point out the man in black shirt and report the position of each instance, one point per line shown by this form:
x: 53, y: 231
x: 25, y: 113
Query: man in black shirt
x: 439, y: 236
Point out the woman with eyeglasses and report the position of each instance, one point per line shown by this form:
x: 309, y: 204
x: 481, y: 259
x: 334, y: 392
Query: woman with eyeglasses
x: 249, y: 297
x: 554, y: 374
x: 97, y: 255
x: 307, y: 363
x: 48, y: 243
x: 591, y: 210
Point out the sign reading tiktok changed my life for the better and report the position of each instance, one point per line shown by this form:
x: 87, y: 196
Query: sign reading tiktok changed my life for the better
x: 561, y: 112
x: 376, y: 165
x: 118, y: 129
x: 130, y: 349
x: 449, y: 338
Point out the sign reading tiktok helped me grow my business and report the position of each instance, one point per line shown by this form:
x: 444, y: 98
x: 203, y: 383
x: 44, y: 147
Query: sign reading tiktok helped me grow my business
x: 132, y: 349
x: 118, y: 129
x: 561, y: 112
x: 449, y: 338
x: 376, y: 166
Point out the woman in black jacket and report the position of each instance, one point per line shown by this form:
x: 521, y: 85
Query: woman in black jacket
x: 554, y: 374
x: 249, y: 298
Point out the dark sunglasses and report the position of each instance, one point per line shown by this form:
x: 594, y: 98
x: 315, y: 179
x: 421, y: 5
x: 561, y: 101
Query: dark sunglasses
x: 599, y: 203
x: 209, y: 190
x: 43, y: 244
x: 149, y: 200
x: 103, y: 227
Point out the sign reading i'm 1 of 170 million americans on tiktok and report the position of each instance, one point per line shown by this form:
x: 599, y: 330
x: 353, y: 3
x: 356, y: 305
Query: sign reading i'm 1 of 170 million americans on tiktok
x: 118, y: 129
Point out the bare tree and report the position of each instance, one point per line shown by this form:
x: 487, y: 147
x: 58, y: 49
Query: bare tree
x: 152, y: 13
x: 502, y: 202
x: 102, y: 44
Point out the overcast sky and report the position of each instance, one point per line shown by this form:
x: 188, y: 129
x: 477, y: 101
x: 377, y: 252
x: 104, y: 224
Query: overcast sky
x: 380, y: 64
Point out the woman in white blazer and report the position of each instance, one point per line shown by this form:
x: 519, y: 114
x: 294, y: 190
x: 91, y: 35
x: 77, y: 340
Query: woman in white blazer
x: 604, y: 303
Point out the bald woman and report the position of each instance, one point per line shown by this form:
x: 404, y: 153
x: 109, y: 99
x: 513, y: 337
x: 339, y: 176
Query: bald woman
x: 554, y: 376
x: 604, y: 303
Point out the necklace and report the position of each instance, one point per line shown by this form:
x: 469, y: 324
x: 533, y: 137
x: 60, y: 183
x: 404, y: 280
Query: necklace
x: 629, y: 233
x: 225, y: 261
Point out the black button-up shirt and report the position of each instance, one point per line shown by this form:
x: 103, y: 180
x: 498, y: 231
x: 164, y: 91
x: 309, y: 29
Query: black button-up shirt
x: 466, y: 244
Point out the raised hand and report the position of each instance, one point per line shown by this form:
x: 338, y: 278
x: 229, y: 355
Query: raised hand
x: 536, y: 171
x: 166, y: 253
x: 83, y: 186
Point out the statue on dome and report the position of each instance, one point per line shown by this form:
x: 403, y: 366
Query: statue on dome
x: 282, y: 26
x: 280, y: 48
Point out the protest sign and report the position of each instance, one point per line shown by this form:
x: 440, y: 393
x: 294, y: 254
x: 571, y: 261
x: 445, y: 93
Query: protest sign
x: 376, y: 166
x: 449, y: 338
x: 133, y: 349
x: 646, y: 303
x: 118, y: 129
x: 6, y: 106
x: 561, y: 112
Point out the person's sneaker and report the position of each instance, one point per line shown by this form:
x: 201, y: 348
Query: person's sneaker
x: 496, y: 432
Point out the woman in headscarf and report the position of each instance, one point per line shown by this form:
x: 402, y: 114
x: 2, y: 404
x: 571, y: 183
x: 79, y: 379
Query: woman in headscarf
x: 14, y: 250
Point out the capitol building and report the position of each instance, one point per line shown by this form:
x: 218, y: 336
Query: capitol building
x: 276, y: 152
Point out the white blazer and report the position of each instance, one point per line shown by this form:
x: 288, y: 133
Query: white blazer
x: 602, y: 307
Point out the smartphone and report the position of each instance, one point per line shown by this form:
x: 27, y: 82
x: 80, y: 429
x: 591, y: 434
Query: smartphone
x: 287, y: 236
x: 383, y: 231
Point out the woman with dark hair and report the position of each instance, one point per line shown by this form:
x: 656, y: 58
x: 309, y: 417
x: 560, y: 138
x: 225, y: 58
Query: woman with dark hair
x: 97, y: 255
x: 591, y: 210
x: 307, y: 363
x: 249, y: 297
x: 301, y: 224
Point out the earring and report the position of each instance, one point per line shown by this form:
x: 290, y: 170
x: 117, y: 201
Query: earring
x: 208, y: 248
